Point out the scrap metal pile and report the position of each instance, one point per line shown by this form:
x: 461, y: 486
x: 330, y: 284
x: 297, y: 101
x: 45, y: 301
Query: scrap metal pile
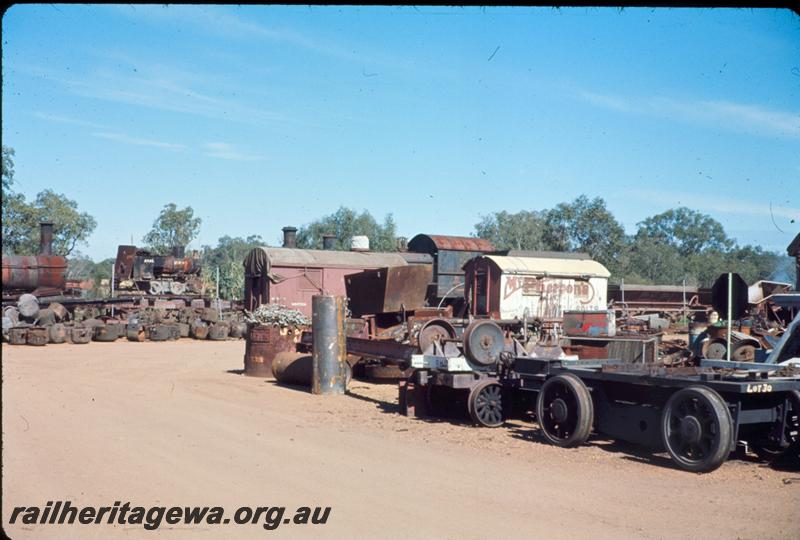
x: 275, y: 314
x: 28, y: 323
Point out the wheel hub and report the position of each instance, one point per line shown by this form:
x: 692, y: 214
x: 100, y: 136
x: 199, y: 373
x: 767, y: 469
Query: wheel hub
x: 690, y: 429
x: 559, y: 408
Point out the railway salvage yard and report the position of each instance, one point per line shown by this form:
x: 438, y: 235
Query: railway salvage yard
x: 428, y: 272
x: 177, y: 423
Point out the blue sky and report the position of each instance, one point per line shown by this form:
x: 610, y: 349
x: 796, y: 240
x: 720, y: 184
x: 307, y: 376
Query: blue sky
x: 263, y: 116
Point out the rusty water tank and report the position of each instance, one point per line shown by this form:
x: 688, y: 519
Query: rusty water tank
x: 262, y: 343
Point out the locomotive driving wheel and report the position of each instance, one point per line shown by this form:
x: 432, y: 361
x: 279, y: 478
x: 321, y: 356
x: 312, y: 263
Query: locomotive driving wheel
x: 565, y: 410
x: 697, y: 429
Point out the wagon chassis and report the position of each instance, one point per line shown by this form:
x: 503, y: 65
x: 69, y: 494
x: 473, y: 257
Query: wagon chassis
x: 696, y: 414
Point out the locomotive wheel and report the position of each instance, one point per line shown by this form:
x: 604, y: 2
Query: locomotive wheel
x: 434, y: 330
x: 791, y: 434
x: 156, y: 288
x: 485, y: 404
x: 696, y: 429
x: 717, y: 350
x: 565, y: 410
x: 483, y: 342
x: 176, y: 287
x: 743, y: 352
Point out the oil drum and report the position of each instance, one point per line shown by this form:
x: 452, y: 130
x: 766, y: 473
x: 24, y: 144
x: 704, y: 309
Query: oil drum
x: 37, y: 335
x: 57, y: 333
x: 81, y: 334
x: 263, y: 343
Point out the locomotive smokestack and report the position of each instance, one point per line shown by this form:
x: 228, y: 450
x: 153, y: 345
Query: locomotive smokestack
x: 45, y: 238
x: 328, y: 241
x: 179, y: 252
x: 289, y: 237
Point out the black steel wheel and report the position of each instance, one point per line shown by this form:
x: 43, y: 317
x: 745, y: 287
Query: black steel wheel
x: 785, y: 434
x: 696, y: 429
x: 565, y: 410
x: 485, y: 404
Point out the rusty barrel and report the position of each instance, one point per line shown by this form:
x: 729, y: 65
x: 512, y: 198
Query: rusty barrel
x: 262, y: 343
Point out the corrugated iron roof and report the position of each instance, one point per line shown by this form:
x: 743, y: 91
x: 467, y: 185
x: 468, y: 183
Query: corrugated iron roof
x: 549, y: 266
x: 279, y: 256
x: 458, y: 243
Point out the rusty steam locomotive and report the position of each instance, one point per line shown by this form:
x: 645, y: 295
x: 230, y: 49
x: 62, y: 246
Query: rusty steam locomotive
x: 44, y: 274
x: 138, y: 271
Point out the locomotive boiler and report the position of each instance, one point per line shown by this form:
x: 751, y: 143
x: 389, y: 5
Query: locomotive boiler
x: 44, y: 274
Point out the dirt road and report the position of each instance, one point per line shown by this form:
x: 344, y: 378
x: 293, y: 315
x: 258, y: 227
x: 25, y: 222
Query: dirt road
x: 170, y: 424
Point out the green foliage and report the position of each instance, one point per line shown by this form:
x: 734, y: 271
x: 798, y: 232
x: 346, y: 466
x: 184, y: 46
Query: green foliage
x: 650, y: 263
x: 21, y: 219
x: 227, y: 255
x: 21, y: 223
x: 669, y: 247
x: 586, y: 225
x: 522, y: 230
x: 346, y: 223
x: 8, y: 168
x: 687, y: 230
x: 171, y: 228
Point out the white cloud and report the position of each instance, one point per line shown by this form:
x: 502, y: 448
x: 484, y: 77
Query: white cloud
x: 749, y: 118
x: 717, y: 204
x: 221, y: 21
x: 127, y: 139
x: 228, y: 151
x: 59, y: 119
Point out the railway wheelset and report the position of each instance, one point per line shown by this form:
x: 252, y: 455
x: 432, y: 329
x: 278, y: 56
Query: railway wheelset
x: 697, y: 415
